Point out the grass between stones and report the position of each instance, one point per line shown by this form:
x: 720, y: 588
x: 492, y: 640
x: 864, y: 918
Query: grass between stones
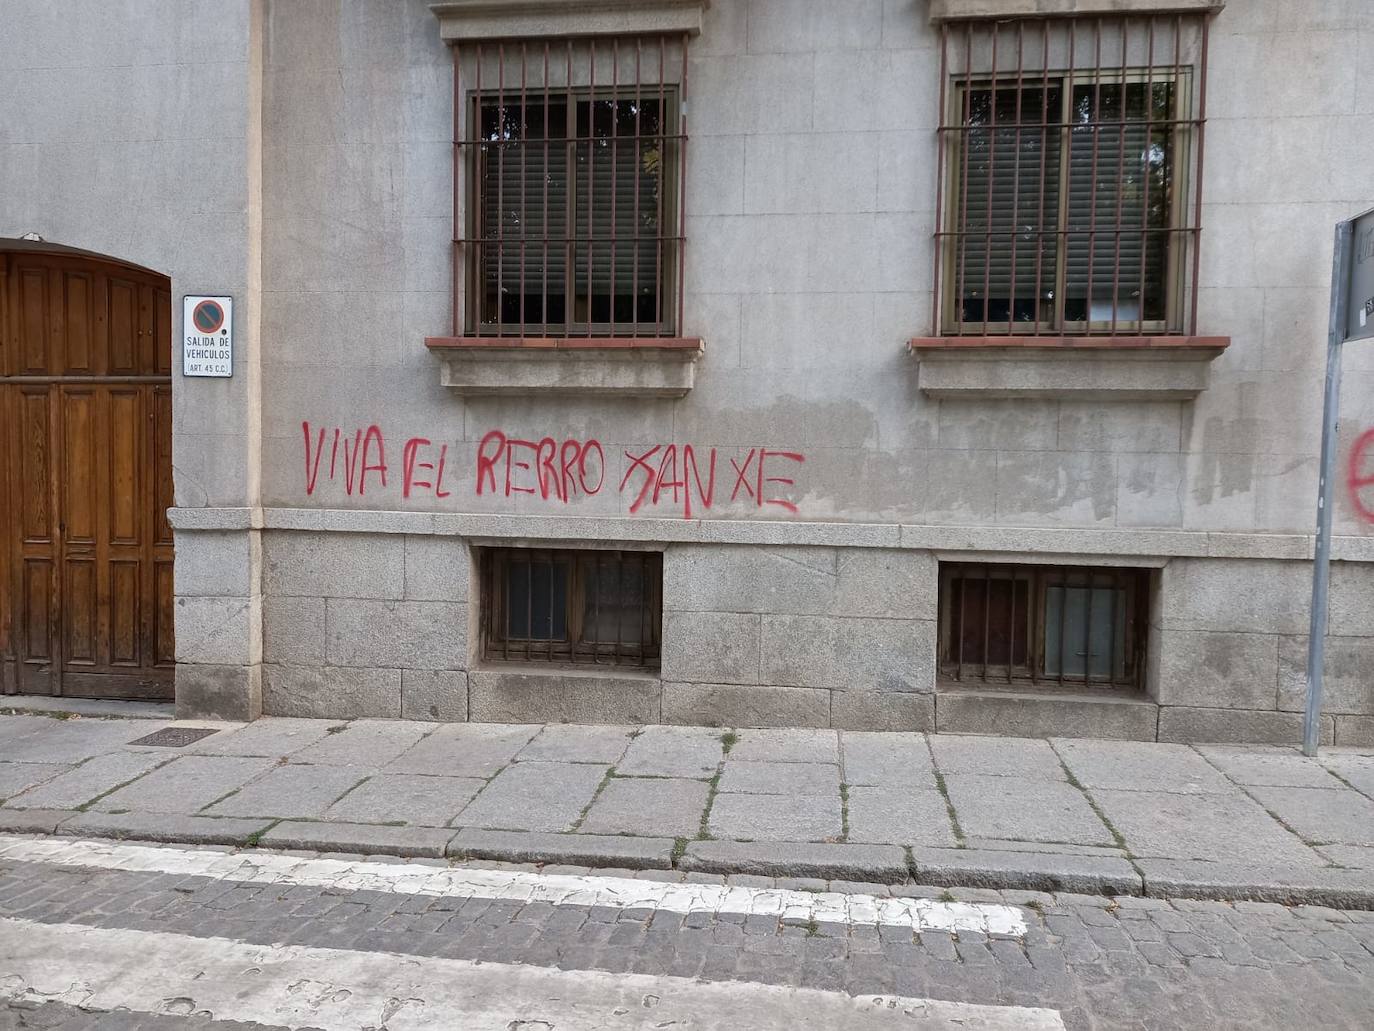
x: 844, y: 811
x: 1117, y: 836
x: 610, y: 775
x: 943, y: 788
x: 86, y: 805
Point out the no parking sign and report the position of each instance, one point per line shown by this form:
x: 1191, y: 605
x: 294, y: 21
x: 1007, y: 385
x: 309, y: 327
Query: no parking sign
x: 207, y: 336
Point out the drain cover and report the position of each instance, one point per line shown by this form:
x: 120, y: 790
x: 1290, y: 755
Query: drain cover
x: 175, y: 737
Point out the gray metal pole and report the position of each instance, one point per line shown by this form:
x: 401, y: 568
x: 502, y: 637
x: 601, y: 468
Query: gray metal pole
x: 1321, y: 557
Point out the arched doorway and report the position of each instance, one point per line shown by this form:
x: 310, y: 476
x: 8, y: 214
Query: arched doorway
x: 86, y: 467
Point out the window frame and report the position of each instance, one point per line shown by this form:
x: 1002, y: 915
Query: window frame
x: 497, y: 646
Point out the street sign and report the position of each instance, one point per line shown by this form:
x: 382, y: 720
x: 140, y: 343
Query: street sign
x: 207, y: 336
x: 1351, y: 318
x: 1360, y: 303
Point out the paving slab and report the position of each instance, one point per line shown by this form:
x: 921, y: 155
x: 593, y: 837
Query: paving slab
x: 271, y: 736
x: 887, y: 760
x: 1024, y: 809
x: 787, y: 746
x: 900, y: 816
x: 673, y: 752
x: 406, y: 798
x: 1330, y: 816
x: 881, y: 864
x: 655, y: 807
x: 567, y: 849
x: 369, y: 839
x: 465, y: 750
x: 47, y: 740
x: 290, y: 792
x: 1355, y: 770
x: 573, y: 743
x: 363, y: 743
x: 534, y: 796
x: 1049, y: 847
x: 1026, y: 871
x: 1358, y: 857
x: 776, y: 817
x: 16, y: 778
x: 1268, y: 766
x: 1284, y: 884
x: 995, y: 756
x: 1220, y: 828
x: 1140, y: 766
x: 165, y: 827
x: 33, y: 821
x: 84, y: 783
x: 186, y: 785
x: 778, y: 778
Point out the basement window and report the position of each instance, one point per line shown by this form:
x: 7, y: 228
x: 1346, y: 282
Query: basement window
x: 572, y: 606
x: 1054, y: 626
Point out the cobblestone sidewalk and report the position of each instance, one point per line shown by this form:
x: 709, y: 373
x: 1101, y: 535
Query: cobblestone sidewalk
x: 1102, y: 817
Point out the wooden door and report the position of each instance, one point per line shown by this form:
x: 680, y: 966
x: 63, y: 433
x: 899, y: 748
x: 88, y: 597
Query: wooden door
x: 85, y: 407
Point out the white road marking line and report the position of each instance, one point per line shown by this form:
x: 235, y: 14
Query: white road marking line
x: 346, y: 990
x: 516, y: 885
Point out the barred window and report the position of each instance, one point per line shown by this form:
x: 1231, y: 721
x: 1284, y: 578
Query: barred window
x: 572, y: 157
x: 1043, y: 624
x: 570, y: 606
x: 1071, y: 155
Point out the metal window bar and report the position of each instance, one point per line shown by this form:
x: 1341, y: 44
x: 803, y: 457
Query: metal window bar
x: 1069, y: 175
x: 570, y: 606
x: 1044, y: 625
x: 571, y: 220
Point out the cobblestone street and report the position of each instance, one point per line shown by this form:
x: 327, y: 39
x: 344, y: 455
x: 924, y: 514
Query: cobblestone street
x: 1099, y: 962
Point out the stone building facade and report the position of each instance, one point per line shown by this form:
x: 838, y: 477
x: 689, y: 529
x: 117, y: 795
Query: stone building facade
x: 805, y: 478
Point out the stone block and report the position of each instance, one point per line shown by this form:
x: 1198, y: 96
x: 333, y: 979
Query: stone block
x: 465, y: 750
x: 1140, y: 765
x: 693, y: 752
x: 732, y: 705
x: 534, y: 797
x: 205, y: 692
x: 1348, y: 681
x: 437, y: 568
x: 956, y: 373
x: 217, y: 631
x: 186, y: 785
x: 330, y: 692
x: 165, y: 827
x: 1328, y: 815
x: 996, y: 757
x: 886, y: 582
x: 730, y: 94
x: 396, y: 634
x: 1284, y: 884
x: 17, y: 777
x: 1191, y: 725
x: 873, y: 710
x: 577, y: 744
x: 776, y: 817
x: 887, y: 760
x: 1236, y: 595
x: 93, y: 777
x: 560, y: 696
x: 787, y: 778
x: 1126, y: 426
x: 271, y: 737
x: 407, y: 798
x: 1035, y: 715
x: 437, y: 695
x: 800, y: 173
x: 290, y: 792
x: 1355, y: 730
x: 1267, y: 765
x: 571, y: 849
x: 33, y: 821
x: 877, y: 864
x: 1019, y: 809
x: 1356, y: 770
x: 903, y: 816
x: 653, y: 807
x: 711, y: 647
x: 367, y: 839
x: 792, y: 745
x: 215, y: 564
x: 715, y: 579
x: 293, y: 631
x: 1217, y: 670
x: 362, y: 743
x: 886, y: 655
x: 1014, y: 424
x: 334, y: 565
x: 1025, y: 871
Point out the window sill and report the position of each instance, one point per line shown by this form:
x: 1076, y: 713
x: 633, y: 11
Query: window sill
x: 1164, y: 368
x: 462, y: 20
x: 964, y: 10
x: 578, y: 366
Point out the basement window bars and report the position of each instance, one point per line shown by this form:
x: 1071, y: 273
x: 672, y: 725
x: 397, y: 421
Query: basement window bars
x: 1055, y: 625
x: 580, y: 607
x: 1070, y: 158
x: 571, y: 154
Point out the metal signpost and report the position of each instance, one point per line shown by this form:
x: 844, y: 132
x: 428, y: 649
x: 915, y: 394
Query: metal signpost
x: 1352, y: 318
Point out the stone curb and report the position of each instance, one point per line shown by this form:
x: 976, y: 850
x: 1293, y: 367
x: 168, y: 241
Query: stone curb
x: 882, y: 863
x: 367, y: 839
x: 165, y: 828
x: 33, y: 821
x: 564, y: 849
x: 1028, y: 871
x: 1320, y: 886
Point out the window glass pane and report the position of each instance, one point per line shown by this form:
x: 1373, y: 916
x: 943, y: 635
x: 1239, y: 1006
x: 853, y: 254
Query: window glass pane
x: 1120, y: 199
x: 536, y: 600
x: 992, y: 621
x: 614, y: 600
x: 1009, y: 212
x: 1085, y: 632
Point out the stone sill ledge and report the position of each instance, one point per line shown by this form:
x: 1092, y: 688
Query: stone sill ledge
x: 573, y: 366
x: 966, y: 540
x: 480, y: 20
x: 567, y: 671
x: 968, y: 10
x: 1085, y: 368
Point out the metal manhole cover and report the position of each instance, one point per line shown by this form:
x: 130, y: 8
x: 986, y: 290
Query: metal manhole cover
x: 175, y: 737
